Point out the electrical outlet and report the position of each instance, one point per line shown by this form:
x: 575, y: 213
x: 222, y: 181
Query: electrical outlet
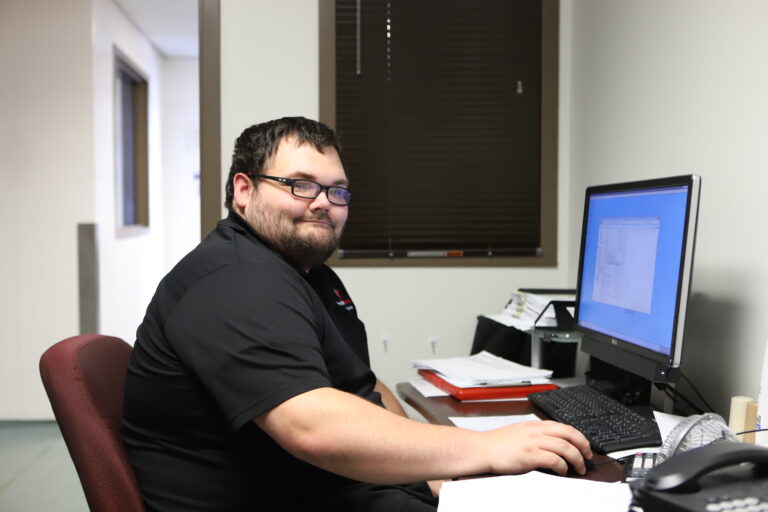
x: 385, y: 343
x: 433, y: 343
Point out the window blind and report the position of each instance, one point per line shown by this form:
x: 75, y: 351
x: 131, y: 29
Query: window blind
x: 438, y: 107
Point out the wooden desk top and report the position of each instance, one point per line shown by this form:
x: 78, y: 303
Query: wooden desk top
x: 437, y: 410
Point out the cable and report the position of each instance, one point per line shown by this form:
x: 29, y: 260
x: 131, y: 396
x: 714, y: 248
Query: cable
x: 675, y: 395
x: 697, y: 392
x: 612, y: 461
x: 686, y: 400
x: 751, y: 431
x: 667, y: 392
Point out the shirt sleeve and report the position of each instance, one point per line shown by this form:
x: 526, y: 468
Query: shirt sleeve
x: 253, y: 338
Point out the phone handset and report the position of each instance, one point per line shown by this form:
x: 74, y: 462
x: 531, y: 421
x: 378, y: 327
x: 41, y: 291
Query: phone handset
x: 682, y: 472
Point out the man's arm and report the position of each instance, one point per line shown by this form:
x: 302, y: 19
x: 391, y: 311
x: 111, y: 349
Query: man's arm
x: 392, y: 404
x: 347, y: 435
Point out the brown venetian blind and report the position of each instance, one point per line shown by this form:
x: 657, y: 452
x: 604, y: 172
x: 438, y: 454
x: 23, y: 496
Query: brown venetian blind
x: 438, y: 106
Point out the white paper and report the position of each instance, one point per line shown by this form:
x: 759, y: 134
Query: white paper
x: 506, y: 320
x: 666, y: 422
x: 427, y: 389
x: 620, y: 454
x: 485, y: 423
x: 483, y: 369
x: 509, y: 399
x: 524, y: 308
x: 533, y: 491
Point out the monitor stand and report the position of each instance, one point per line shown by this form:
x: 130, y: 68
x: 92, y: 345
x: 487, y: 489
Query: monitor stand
x: 627, y: 387
x: 619, y: 384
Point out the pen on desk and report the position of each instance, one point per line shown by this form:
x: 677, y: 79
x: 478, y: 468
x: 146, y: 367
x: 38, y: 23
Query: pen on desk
x: 517, y: 383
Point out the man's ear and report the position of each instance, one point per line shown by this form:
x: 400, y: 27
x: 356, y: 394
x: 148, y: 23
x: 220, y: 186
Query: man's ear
x: 243, y: 187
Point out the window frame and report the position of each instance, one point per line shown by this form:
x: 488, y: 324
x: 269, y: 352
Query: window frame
x: 548, y: 149
x: 132, y: 169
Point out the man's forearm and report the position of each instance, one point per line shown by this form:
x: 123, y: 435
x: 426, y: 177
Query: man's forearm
x: 347, y: 435
x: 392, y: 404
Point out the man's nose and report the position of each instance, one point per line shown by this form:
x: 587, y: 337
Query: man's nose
x: 321, y: 201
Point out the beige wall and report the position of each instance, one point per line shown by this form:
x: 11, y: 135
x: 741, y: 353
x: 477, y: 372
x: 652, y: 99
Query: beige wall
x: 181, y: 157
x: 129, y: 266
x: 57, y: 170
x: 46, y: 167
x: 647, y: 90
x: 679, y: 87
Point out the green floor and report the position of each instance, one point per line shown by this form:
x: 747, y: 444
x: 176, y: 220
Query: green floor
x: 36, y: 473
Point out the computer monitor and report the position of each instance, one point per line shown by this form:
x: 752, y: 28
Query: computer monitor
x: 634, y: 279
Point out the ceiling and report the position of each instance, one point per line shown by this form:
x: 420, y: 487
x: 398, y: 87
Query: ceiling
x: 171, y: 25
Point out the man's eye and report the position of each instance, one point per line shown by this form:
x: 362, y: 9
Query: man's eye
x: 304, y: 186
x: 340, y: 193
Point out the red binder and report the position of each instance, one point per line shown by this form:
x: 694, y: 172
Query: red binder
x: 484, y: 393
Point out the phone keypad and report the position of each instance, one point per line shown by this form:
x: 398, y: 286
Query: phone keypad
x: 640, y: 465
x: 727, y: 503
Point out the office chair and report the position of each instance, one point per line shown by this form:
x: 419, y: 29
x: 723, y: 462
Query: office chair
x: 84, y: 377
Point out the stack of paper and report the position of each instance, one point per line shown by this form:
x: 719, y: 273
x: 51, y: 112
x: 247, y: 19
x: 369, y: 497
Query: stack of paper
x: 524, y: 308
x: 483, y: 369
x: 533, y: 491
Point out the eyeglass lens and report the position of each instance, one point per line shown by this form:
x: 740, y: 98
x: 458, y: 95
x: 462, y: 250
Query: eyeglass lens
x: 310, y: 190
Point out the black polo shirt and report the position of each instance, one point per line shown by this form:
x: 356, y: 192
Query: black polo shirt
x: 232, y: 331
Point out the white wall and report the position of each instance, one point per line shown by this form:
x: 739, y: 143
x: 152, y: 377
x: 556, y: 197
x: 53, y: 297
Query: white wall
x: 269, y: 65
x: 669, y: 88
x: 57, y: 170
x: 129, y: 266
x: 269, y: 69
x: 46, y: 161
x: 181, y: 157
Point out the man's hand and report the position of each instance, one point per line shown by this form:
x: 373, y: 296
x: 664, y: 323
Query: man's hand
x: 522, y: 447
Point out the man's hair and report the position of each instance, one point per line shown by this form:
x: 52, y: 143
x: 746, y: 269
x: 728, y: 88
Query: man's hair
x: 258, y: 143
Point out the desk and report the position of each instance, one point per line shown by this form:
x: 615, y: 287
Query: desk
x: 437, y: 410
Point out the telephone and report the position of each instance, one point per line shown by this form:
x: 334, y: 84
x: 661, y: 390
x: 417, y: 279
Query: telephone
x: 713, y: 477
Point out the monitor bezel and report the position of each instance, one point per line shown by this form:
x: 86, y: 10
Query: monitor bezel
x: 641, y: 361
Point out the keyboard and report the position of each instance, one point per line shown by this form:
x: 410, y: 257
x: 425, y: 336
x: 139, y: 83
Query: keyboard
x: 608, y: 424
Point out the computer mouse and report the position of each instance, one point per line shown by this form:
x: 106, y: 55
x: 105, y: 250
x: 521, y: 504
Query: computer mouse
x: 571, y: 470
x: 587, y: 463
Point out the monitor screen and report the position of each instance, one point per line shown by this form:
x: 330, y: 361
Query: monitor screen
x: 634, y: 273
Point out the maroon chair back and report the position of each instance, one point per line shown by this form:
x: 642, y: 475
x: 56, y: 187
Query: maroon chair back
x: 84, y: 377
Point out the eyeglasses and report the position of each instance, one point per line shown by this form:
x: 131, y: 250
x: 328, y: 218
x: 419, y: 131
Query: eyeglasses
x: 308, y: 189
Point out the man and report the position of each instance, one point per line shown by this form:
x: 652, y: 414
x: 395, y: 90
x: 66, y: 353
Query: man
x: 249, y: 386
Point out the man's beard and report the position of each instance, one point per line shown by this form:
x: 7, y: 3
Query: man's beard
x: 304, y: 249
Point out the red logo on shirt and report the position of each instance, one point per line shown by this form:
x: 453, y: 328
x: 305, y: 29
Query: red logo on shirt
x: 343, y: 302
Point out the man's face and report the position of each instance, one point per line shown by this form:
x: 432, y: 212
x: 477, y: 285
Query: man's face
x: 306, y: 231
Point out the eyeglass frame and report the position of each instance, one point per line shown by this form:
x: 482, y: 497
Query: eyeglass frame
x: 292, y: 182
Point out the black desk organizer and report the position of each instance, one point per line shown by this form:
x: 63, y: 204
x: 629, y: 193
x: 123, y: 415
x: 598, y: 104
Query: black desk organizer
x: 515, y: 345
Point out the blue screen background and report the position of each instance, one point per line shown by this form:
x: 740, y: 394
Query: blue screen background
x: 654, y: 330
